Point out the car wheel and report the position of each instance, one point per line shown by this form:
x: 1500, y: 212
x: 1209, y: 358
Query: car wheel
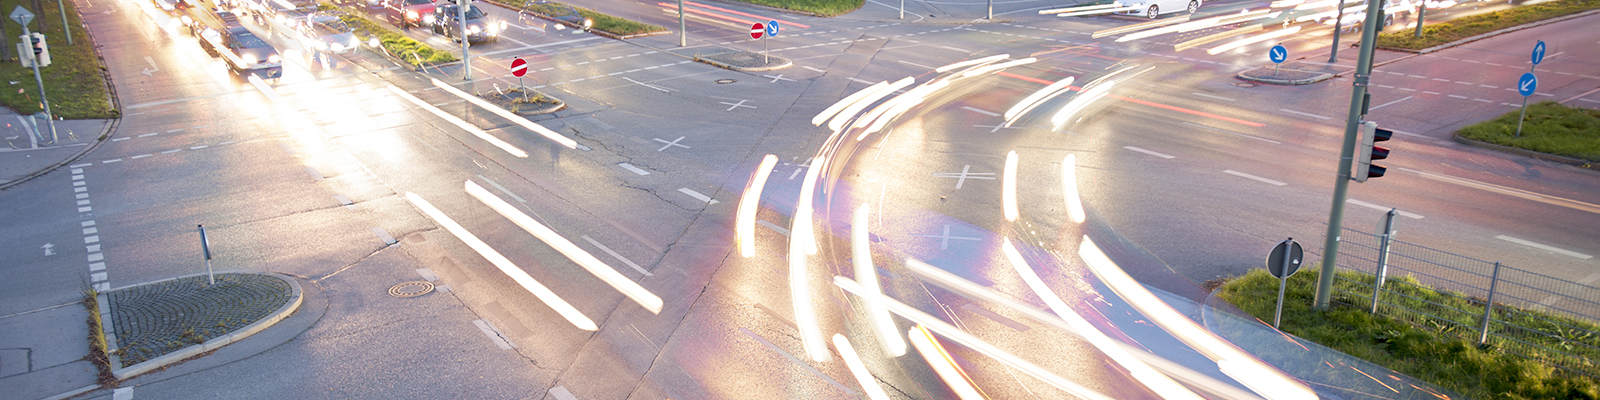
x: 1388, y: 20
x: 1194, y: 5
x: 1152, y: 12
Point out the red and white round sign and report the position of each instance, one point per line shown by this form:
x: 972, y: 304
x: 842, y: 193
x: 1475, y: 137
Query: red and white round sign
x: 756, y: 30
x: 519, y: 67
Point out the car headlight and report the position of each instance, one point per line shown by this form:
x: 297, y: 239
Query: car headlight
x: 587, y: 23
x: 274, y: 59
x: 249, y: 59
x: 355, y: 42
x: 473, y: 30
x: 338, y: 47
x: 429, y: 19
x: 322, y: 46
x: 411, y: 14
x: 187, y: 20
x: 502, y: 25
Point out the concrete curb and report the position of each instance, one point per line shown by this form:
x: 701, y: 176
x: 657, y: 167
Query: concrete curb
x: 106, y: 133
x: 1321, y: 76
x: 1580, y: 163
x: 295, y: 298
x: 786, y: 64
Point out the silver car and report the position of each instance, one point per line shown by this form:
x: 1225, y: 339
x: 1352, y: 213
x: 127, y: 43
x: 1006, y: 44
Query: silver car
x: 326, y: 33
x: 1155, y: 8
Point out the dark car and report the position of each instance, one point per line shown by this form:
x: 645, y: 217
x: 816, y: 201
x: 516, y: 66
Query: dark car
x: 244, y: 52
x: 480, y: 28
x: 409, y: 13
x: 535, y: 12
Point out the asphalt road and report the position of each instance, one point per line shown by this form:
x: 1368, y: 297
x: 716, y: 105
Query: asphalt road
x: 314, y: 174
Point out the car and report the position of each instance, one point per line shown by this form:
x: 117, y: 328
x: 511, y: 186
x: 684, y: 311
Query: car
x: 326, y: 33
x: 283, y: 15
x: 480, y: 27
x: 174, y: 7
x: 244, y: 52
x: 1155, y: 8
x: 409, y: 13
x: 1356, y: 14
x: 535, y: 12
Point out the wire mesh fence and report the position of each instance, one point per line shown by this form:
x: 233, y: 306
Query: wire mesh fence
x: 1536, y: 316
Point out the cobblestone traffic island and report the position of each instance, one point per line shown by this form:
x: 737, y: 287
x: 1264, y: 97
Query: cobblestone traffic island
x: 177, y: 316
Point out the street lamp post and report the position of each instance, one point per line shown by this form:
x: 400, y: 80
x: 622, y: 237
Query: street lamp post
x: 466, y: 59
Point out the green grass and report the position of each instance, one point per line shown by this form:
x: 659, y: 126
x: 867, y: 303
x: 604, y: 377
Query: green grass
x: 602, y: 22
x: 408, y: 49
x: 1443, y: 355
x: 98, y: 353
x: 74, y: 81
x: 1462, y: 28
x: 1550, y: 128
x: 825, y: 8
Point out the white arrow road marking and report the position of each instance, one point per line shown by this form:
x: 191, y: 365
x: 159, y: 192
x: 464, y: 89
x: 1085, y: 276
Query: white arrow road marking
x: 47, y: 249
x: 153, y: 68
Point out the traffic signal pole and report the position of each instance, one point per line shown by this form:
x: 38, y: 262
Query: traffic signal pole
x: 49, y: 118
x: 1341, y: 185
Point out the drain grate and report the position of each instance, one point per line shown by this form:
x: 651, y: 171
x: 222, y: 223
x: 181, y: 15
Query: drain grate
x: 411, y: 289
x: 724, y: 81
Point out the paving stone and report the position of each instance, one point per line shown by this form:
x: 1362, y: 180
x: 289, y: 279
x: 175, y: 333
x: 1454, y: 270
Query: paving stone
x: 156, y: 319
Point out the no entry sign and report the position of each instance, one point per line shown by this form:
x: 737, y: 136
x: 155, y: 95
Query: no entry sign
x: 756, y: 30
x: 519, y: 67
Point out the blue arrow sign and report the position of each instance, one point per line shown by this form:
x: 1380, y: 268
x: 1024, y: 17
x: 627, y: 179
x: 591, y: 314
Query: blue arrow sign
x: 772, y: 28
x: 1278, y: 54
x: 1538, y: 52
x: 1527, y: 84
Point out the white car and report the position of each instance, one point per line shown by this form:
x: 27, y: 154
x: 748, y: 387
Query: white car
x: 1155, y: 8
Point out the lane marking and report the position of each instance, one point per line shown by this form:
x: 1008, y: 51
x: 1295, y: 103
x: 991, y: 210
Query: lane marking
x: 1304, y: 114
x: 915, y: 64
x: 1232, y: 133
x: 797, y: 361
x: 1253, y: 177
x: 1137, y: 101
x: 1544, y: 247
x: 493, y: 334
x: 697, y: 195
x: 980, y: 111
x: 1551, y: 200
x: 773, y: 227
x: 1213, y: 97
x: 561, y: 393
x: 1169, y: 157
x: 502, y: 188
x: 635, y: 170
x: 1402, y: 213
x: 619, y: 257
x: 1009, y: 323
x: 1389, y: 103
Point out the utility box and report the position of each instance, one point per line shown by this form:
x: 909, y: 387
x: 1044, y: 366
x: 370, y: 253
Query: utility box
x: 33, y: 46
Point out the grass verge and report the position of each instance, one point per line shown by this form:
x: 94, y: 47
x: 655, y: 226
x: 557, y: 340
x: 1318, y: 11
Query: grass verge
x: 75, y: 80
x: 1549, y: 128
x: 408, y: 49
x: 98, y: 353
x: 825, y: 8
x: 1462, y: 28
x: 607, y: 23
x: 1441, y: 356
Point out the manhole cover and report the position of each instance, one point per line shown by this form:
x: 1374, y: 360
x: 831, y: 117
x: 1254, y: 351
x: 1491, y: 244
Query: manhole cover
x: 725, y: 81
x: 411, y: 289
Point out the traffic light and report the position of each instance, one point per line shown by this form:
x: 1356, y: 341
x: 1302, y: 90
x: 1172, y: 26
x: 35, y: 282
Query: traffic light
x: 41, y: 50
x: 1370, y: 134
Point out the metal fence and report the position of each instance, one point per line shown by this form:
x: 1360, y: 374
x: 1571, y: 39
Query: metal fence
x: 1532, y: 315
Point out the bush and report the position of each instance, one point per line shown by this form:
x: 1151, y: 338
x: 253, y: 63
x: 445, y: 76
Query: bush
x: 602, y: 22
x: 1550, y: 128
x: 826, y: 8
x: 408, y: 49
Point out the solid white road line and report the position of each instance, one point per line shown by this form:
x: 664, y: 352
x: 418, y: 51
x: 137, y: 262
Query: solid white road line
x: 1253, y: 177
x: 1304, y: 114
x: 1389, y: 103
x: 1213, y: 97
x: 980, y: 111
x: 502, y: 188
x: 493, y: 334
x: 561, y: 393
x: 773, y: 227
x: 1384, y: 209
x: 797, y: 361
x: 1009, y: 323
x: 1551, y: 200
x: 1169, y: 157
x: 1548, y: 248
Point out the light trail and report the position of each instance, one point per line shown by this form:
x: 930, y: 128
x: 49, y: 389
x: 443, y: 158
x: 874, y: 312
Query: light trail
x: 858, y: 369
x: 1069, y: 186
x: 1259, y: 38
x: 1008, y: 188
x: 942, y: 364
x: 867, y: 276
x: 516, y: 119
x: 459, y: 123
x: 746, y: 218
x: 803, y: 242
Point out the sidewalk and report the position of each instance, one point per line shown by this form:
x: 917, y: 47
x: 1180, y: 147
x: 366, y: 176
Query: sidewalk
x: 25, y: 156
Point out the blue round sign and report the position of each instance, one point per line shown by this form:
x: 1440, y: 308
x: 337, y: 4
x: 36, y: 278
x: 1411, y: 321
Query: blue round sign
x: 1538, y: 52
x: 1278, y: 54
x: 772, y: 28
x: 1527, y: 84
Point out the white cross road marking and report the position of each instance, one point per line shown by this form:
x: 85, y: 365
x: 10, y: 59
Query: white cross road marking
x: 961, y: 177
x: 736, y: 105
x: 944, y: 239
x: 777, y: 78
x: 670, y: 144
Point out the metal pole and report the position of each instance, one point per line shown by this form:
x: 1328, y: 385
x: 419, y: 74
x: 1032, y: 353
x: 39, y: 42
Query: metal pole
x: 1488, y: 306
x: 65, y: 27
x: 205, y: 248
x: 683, y: 30
x: 902, y: 9
x: 1524, y: 114
x: 1421, y: 8
x: 1383, y: 258
x: 991, y: 10
x: 764, y: 50
x: 1277, y: 315
x: 1341, y: 186
x: 466, y: 59
x: 49, y: 118
x: 1338, y: 25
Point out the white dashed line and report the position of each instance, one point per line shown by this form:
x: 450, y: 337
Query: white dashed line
x: 1548, y: 248
x: 1303, y: 113
x: 980, y: 111
x: 697, y: 195
x: 1169, y: 157
x: 1384, y: 209
x: 635, y: 170
x: 1253, y: 177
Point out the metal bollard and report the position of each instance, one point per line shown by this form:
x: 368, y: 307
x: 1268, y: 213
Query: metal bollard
x: 1488, y: 307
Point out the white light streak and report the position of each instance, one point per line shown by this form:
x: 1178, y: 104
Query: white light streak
x: 747, y: 206
x: 857, y: 368
x: 549, y: 236
x: 517, y: 119
x: 1233, y: 362
x: 846, y: 102
x: 459, y: 123
x: 1033, y: 100
x: 867, y: 276
x: 1078, y: 9
x: 996, y: 67
x: 1008, y: 187
x: 1069, y: 185
x: 942, y: 364
x: 1089, y: 95
x: 839, y: 120
x: 803, y: 242
x: 1097, y: 12
x: 516, y: 273
x: 1263, y: 37
x: 979, y: 61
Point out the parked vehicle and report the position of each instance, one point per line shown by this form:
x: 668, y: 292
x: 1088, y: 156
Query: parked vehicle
x: 1155, y: 8
x: 409, y: 13
x: 326, y: 33
x: 221, y: 35
x: 565, y: 16
x: 1355, y: 15
x: 480, y: 27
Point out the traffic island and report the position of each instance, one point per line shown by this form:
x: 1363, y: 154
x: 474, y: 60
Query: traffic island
x: 522, y: 101
x: 744, y: 61
x: 1293, y: 73
x: 156, y: 324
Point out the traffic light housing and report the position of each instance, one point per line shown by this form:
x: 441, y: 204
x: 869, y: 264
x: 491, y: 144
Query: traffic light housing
x: 1371, y: 134
x: 41, y: 50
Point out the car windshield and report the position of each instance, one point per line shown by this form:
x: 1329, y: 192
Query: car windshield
x: 472, y: 13
x: 416, y: 2
x: 247, y: 40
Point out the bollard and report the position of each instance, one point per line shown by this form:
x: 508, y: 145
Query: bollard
x: 1488, y: 306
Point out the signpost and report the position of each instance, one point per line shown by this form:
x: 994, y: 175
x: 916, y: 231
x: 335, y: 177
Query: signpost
x: 22, y: 16
x: 1525, y: 86
x: 1278, y: 55
x: 520, y: 68
x: 772, y: 30
x: 205, y: 247
x: 1284, y: 260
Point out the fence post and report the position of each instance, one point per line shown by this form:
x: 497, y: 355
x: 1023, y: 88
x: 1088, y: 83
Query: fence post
x: 1488, y: 306
x: 1387, y: 230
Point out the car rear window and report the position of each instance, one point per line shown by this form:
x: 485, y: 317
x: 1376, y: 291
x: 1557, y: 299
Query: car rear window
x: 416, y: 2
